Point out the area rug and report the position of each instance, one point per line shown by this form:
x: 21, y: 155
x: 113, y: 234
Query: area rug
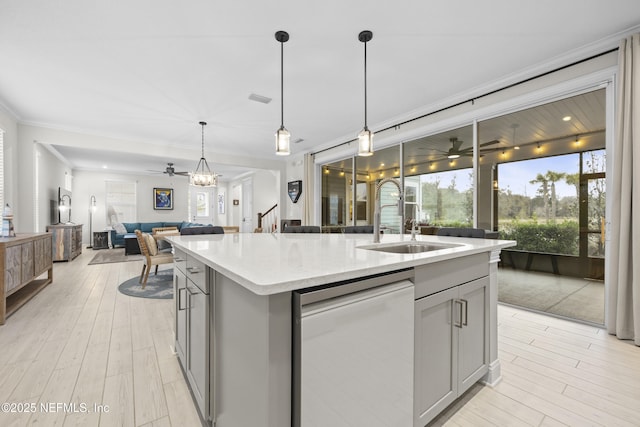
x: 107, y: 256
x: 159, y: 286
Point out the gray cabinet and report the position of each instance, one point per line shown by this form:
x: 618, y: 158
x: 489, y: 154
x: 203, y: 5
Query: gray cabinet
x: 180, y: 292
x: 198, y: 345
x: 193, y: 325
x: 473, y: 334
x: 436, y: 349
x: 451, y: 337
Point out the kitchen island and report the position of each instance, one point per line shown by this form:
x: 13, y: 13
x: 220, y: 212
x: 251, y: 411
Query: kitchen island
x: 289, y: 329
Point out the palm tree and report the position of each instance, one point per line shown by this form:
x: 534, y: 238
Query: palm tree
x: 542, y: 179
x: 554, y: 177
x: 573, y: 179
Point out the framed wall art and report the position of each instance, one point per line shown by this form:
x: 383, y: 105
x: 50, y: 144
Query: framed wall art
x: 220, y: 203
x: 163, y: 198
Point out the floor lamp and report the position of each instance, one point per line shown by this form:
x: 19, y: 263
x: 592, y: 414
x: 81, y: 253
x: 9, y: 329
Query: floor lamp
x: 92, y: 207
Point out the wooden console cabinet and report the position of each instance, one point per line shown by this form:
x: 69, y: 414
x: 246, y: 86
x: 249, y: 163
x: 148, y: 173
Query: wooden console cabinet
x: 22, y: 260
x: 66, y: 241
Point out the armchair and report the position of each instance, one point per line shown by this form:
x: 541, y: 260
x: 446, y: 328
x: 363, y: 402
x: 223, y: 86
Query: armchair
x: 149, y: 249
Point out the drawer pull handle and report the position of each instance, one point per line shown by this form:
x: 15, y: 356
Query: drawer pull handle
x: 180, y: 307
x: 458, y: 322
x: 193, y: 270
x: 465, y: 313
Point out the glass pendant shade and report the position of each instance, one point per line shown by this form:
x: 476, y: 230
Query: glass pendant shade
x: 282, y: 142
x: 365, y: 142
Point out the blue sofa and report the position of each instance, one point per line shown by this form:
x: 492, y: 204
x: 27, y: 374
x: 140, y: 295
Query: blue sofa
x: 117, y: 239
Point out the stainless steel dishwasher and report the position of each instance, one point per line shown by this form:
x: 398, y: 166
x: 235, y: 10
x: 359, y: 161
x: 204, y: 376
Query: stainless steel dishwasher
x: 353, y: 353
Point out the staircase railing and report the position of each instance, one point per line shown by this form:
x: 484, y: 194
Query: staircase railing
x: 271, y: 220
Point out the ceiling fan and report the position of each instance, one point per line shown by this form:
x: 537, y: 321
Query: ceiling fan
x: 456, y: 151
x: 170, y: 170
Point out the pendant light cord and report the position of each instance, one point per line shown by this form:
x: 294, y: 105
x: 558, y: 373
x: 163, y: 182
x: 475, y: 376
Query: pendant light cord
x: 281, y: 84
x: 365, y: 85
x: 202, y: 124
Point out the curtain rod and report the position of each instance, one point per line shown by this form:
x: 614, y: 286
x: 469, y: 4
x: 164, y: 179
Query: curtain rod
x: 472, y: 100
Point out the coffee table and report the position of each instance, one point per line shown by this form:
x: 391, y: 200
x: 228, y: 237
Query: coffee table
x: 131, y: 246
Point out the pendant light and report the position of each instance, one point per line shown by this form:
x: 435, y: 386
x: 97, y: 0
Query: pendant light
x: 202, y: 176
x: 282, y: 135
x: 365, y: 137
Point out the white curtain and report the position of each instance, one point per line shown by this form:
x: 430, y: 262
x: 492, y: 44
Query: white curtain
x: 623, y: 318
x: 307, y: 190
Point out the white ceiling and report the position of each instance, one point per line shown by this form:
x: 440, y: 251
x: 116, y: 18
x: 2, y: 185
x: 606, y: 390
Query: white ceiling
x: 149, y: 71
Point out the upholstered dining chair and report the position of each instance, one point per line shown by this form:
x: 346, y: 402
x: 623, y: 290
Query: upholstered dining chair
x: 207, y: 229
x: 477, y: 233
x: 149, y: 248
x: 351, y: 229
x: 302, y: 229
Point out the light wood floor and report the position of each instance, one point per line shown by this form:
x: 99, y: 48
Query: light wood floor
x: 81, y: 341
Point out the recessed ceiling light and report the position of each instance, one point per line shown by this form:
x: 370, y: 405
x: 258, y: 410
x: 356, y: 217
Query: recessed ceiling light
x: 566, y: 118
x: 104, y: 166
x: 259, y: 98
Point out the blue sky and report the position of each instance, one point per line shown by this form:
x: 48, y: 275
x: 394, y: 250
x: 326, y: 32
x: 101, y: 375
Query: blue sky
x: 515, y: 176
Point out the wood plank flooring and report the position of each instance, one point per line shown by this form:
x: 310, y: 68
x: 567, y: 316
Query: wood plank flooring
x: 81, y: 342
x: 554, y: 372
x: 107, y: 356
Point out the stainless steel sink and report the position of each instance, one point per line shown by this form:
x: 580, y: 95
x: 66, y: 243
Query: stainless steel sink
x: 409, y: 247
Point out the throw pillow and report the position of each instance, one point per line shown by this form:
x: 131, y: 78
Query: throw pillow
x: 120, y: 228
x: 151, y: 244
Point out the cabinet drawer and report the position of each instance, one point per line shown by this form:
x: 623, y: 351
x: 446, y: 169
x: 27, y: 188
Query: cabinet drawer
x: 432, y: 278
x: 180, y: 260
x: 197, y: 272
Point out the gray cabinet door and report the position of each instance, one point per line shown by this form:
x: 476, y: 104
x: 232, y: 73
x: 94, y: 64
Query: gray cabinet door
x: 435, y: 359
x: 180, y: 289
x: 473, y: 354
x: 198, y: 342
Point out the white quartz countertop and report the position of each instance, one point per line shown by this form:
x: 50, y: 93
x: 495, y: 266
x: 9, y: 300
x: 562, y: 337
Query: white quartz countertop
x: 268, y: 264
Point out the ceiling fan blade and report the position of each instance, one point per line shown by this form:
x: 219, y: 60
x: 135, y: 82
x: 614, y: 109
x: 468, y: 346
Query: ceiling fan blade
x: 181, y: 173
x: 495, y: 141
x: 456, y: 144
x: 484, y: 144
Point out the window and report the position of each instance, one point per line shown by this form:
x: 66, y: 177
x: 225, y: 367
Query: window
x: 121, y: 202
x: 538, y: 203
x: 439, y: 174
x: 202, y: 203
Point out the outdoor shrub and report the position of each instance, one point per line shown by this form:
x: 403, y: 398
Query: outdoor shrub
x: 559, y: 238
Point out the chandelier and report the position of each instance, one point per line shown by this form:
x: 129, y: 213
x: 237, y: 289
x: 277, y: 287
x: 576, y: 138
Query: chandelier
x: 202, y: 176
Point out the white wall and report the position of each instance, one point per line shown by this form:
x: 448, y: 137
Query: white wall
x: 9, y: 125
x: 50, y: 173
x: 21, y: 189
x: 86, y: 184
x: 267, y: 191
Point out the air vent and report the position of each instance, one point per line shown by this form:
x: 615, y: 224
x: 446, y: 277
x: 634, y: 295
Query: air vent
x: 259, y: 98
